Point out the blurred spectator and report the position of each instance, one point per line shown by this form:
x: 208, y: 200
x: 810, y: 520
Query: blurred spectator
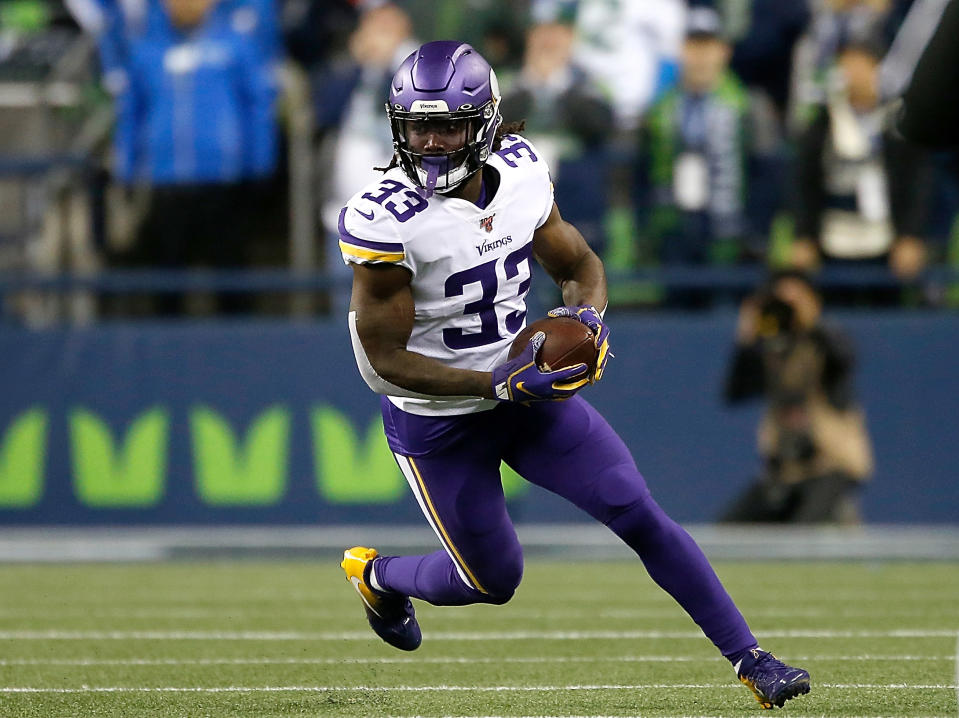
x: 110, y: 23
x: 629, y: 49
x: 763, y: 34
x: 34, y: 36
x: 930, y: 113
x: 568, y: 120
x: 196, y: 131
x: 812, y: 436
x: 494, y: 27
x: 114, y: 24
x: 349, y: 95
x: 316, y: 31
x: 862, y: 191
x: 698, y: 141
x: 835, y: 24
x: 913, y: 27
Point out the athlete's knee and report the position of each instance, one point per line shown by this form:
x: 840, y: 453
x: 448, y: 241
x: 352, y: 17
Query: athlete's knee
x: 500, y: 580
x: 617, y: 489
x: 642, y: 522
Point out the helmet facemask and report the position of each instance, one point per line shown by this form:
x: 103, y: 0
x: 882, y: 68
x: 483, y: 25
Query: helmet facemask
x: 444, y: 172
x: 445, y: 85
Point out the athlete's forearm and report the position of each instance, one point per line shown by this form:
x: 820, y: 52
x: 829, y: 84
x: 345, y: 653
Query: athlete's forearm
x: 586, y: 284
x: 425, y: 375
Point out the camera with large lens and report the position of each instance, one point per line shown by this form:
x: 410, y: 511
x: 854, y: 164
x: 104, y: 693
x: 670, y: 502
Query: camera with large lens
x: 776, y: 317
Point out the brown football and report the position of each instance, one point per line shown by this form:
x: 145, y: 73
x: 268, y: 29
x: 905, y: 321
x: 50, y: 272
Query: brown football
x: 568, y: 342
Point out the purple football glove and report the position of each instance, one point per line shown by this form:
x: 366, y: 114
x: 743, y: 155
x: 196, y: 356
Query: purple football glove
x: 520, y: 379
x: 591, y: 318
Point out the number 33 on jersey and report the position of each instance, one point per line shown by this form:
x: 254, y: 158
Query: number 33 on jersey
x: 470, y: 266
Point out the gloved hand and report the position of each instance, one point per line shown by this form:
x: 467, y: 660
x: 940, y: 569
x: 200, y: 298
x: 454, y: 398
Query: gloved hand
x: 521, y: 380
x: 591, y: 318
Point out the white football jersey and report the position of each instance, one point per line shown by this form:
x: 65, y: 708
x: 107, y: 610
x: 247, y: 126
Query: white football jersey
x: 470, y: 266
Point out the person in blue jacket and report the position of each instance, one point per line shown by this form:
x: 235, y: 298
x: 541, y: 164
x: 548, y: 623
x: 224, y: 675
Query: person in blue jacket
x: 196, y: 126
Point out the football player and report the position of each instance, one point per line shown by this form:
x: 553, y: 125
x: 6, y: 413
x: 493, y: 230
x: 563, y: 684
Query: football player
x: 440, y: 250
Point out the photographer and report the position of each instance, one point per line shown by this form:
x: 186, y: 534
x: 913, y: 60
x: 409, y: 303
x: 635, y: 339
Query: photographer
x: 812, y: 436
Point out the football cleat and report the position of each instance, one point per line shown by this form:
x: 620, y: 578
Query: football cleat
x: 390, y: 615
x: 771, y: 681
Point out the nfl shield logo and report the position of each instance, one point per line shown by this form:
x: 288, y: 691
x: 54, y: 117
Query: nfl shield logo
x: 487, y: 223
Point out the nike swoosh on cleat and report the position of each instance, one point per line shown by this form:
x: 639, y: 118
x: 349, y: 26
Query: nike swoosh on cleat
x: 364, y: 214
x: 356, y: 584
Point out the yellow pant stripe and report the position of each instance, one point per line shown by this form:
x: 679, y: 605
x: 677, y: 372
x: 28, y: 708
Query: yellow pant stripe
x: 442, y: 529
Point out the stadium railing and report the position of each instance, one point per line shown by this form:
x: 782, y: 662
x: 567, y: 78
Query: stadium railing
x: 284, y: 279
x: 302, y: 282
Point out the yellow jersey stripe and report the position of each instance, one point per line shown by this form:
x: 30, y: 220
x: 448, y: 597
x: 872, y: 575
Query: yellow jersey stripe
x: 371, y: 254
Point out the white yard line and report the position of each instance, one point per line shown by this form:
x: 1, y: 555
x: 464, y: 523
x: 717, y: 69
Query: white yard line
x: 449, y: 688
x: 56, y: 635
x: 957, y: 671
x: 436, y: 615
x: 464, y: 660
x: 828, y: 596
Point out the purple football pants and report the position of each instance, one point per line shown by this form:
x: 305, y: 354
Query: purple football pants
x: 453, y: 466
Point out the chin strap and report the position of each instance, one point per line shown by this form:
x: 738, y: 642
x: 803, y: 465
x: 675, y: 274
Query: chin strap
x: 432, y: 165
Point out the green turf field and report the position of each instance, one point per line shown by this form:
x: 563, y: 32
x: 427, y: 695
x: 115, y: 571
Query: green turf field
x: 584, y: 639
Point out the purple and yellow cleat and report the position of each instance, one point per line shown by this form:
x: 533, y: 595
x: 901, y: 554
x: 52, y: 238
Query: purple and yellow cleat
x: 390, y: 615
x: 771, y: 681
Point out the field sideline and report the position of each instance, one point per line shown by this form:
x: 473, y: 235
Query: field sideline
x: 280, y: 638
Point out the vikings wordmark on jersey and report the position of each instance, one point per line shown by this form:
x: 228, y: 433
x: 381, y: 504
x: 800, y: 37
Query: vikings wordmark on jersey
x: 470, y: 275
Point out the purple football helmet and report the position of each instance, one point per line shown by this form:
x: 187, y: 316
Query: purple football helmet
x: 449, y: 82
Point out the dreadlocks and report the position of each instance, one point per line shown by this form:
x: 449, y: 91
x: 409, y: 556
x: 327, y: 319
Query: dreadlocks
x: 507, y: 128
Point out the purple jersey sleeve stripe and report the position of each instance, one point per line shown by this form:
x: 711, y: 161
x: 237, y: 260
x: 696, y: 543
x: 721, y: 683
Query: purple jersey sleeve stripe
x: 346, y: 237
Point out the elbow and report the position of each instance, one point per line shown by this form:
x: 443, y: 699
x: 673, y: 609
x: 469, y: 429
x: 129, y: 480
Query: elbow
x: 370, y: 370
x: 364, y: 363
x: 376, y: 374
x: 385, y: 383
x: 380, y: 377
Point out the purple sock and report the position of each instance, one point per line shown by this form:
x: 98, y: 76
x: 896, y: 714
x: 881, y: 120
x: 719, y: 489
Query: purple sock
x: 432, y: 578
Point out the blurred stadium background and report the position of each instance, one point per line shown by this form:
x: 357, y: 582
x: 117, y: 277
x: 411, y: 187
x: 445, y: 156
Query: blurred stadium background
x: 233, y: 424
x: 119, y: 410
